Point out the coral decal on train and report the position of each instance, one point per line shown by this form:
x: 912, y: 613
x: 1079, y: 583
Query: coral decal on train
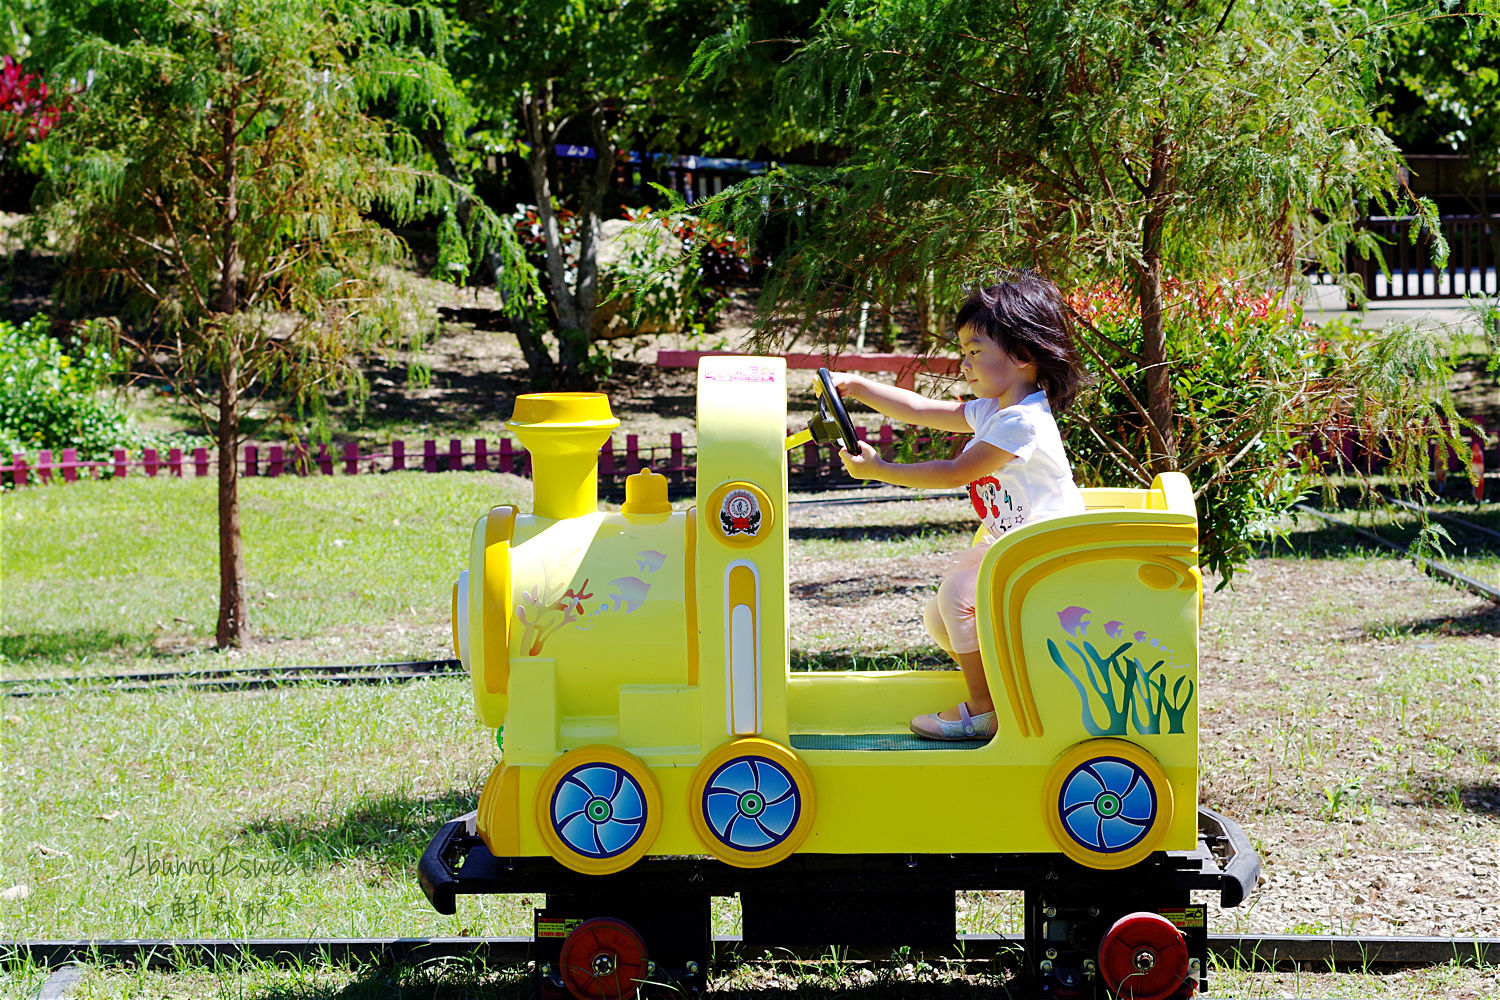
x: 1134, y: 697
x: 547, y: 608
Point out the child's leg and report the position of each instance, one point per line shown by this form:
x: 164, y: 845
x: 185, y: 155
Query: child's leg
x: 954, y: 610
x: 979, y: 689
x: 933, y: 619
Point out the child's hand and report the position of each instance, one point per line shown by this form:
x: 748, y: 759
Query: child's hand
x: 863, y: 465
x: 847, y: 384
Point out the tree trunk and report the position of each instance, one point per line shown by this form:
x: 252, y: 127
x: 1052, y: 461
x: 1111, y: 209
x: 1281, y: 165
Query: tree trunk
x: 234, y: 622
x: 573, y: 343
x: 533, y: 347
x: 1159, y: 401
x: 536, y: 109
x: 543, y: 371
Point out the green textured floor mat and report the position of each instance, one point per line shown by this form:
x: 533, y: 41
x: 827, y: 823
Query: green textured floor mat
x: 878, y: 741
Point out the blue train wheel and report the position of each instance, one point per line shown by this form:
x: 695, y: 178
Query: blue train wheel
x: 751, y: 802
x: 1107, y: 803
x: 598, y: 809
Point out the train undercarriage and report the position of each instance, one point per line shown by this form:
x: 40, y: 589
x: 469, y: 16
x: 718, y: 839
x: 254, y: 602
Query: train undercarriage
x: 1132, y: 933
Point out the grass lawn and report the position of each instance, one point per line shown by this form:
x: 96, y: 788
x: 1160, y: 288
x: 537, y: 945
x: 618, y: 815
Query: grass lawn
x: 110, y: 576
x: 1349, y: 708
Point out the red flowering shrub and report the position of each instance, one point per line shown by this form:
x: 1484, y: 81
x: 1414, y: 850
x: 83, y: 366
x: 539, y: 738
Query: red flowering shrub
x: 27, y: 110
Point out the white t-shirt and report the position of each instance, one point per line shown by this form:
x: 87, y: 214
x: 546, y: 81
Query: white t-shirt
x: 1038, y: 482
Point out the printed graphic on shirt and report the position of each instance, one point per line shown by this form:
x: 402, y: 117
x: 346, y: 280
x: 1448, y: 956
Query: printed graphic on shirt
x: 995, y: 506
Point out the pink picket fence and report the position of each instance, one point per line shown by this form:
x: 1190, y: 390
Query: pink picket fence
x: 676, y: 460
x: 1343, y: 449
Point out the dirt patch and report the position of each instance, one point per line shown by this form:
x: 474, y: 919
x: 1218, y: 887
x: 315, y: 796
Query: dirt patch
x: 475, y: 369
x: 1348, y: 722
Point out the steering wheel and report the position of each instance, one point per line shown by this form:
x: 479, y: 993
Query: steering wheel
x: 830, y: 428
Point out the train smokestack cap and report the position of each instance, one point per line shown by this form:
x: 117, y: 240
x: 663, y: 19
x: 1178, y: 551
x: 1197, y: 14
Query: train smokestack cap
x: 564, y: 432
x: 569, y: 408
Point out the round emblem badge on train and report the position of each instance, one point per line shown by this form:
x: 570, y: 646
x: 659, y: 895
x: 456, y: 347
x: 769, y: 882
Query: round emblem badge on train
x: 658, y: 751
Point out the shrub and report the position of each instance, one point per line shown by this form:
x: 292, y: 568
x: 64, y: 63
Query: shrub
x: 677, y: 279
x: 1253, y: 385
x: 28, y: 108
x: 53, y: 398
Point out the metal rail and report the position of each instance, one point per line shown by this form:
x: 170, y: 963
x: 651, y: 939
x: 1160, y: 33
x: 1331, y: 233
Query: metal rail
x: 1431, y: 567
x: 1262, y: 952
x: 230, y: 678
x: 1469, y: 526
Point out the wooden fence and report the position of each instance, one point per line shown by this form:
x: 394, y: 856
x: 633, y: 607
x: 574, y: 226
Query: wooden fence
x: 810, y: 466
x: 1341, y: 449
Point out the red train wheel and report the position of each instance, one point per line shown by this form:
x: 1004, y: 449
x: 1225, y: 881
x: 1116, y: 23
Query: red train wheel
x: 603, y: 959
x: 1144, y: 957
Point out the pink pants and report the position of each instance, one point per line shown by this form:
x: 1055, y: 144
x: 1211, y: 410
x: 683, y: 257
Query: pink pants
x: 949, y: 616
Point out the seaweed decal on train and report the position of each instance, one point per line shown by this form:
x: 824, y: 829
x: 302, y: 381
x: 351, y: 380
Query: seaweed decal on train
x: 1133, y: 696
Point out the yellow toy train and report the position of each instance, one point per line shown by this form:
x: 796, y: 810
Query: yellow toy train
x: 658, y: 752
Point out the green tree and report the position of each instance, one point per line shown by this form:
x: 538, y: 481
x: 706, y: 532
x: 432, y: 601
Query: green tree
x: 605, y: 74
x: 543, y: 73
x: 219, y: 179
x: 20, y: 20
x: 1444, y: 97
x: 1134, y: 143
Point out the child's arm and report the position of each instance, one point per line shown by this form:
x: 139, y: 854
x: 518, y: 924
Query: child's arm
x: 903, y: 404
x: 977, y: 462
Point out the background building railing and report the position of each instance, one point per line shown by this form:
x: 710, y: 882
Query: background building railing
x: 1471, y: 268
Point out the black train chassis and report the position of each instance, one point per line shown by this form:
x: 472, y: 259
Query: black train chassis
x: 858, y: 900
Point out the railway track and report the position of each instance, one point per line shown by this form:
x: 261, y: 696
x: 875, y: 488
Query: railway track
x: 1431, y: 567
x: 1469, y: 527
x: 1486, y: 537
x: 1261, y: 953
x: 231, y: 678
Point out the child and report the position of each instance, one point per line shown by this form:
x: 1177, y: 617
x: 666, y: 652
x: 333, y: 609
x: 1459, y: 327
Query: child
x: 1019, y: 362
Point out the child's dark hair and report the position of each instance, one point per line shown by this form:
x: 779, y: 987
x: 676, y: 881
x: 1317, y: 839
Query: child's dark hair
x: 1023, y: 313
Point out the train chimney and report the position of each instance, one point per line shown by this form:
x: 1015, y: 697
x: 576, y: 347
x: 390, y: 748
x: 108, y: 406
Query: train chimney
x: 564, y: 432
